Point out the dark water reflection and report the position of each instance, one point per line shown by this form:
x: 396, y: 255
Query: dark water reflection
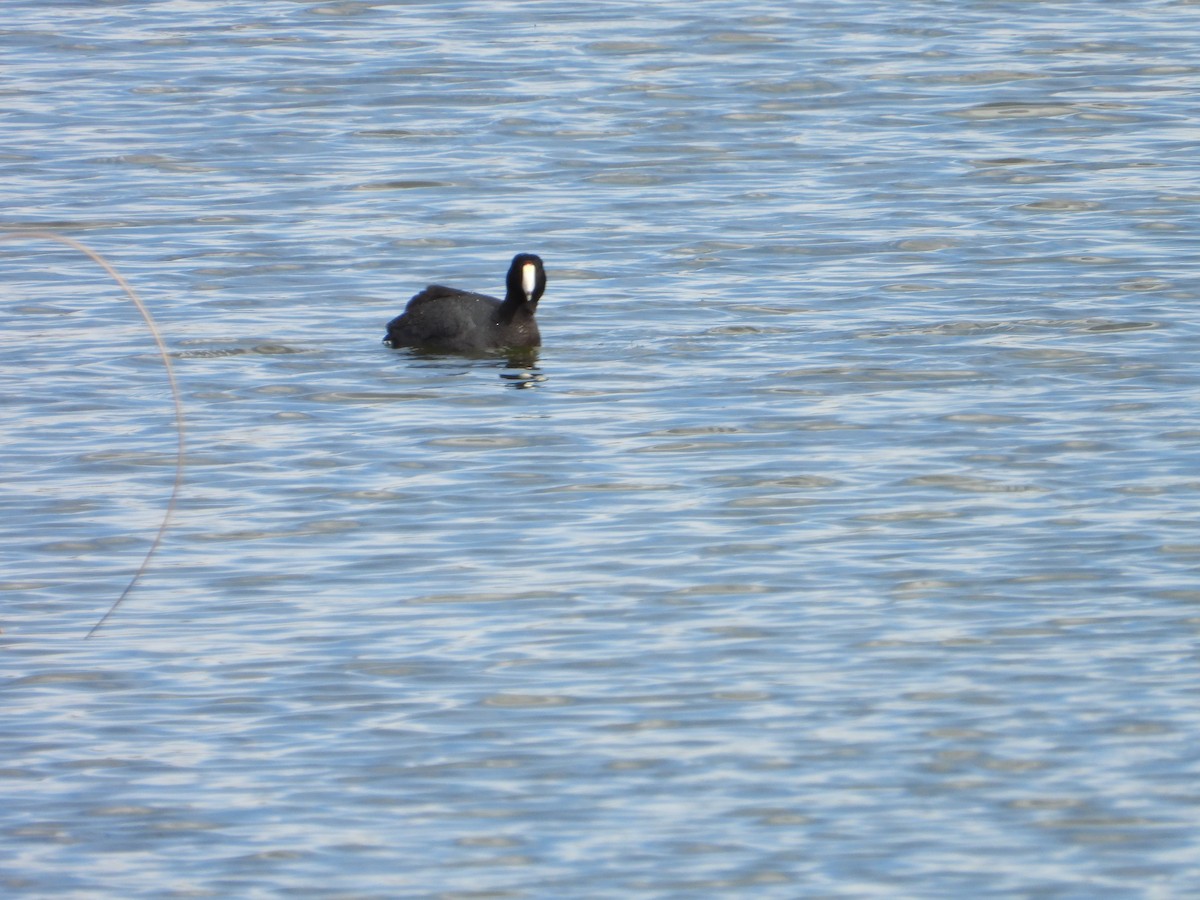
x: 519, y: 366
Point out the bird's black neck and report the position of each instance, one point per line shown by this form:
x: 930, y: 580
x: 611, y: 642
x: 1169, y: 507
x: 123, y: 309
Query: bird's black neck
x: 514, y: 307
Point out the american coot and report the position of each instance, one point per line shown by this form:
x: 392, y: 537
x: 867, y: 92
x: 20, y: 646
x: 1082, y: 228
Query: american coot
x: 447, y: 319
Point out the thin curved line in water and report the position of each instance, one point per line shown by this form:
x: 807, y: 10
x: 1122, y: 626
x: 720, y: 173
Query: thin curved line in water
x: 166, y: 359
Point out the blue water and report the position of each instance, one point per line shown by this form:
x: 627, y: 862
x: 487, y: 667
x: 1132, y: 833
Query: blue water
x: 841, y: 539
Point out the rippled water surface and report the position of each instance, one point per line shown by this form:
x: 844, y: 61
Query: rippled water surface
x: 841, y: 540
